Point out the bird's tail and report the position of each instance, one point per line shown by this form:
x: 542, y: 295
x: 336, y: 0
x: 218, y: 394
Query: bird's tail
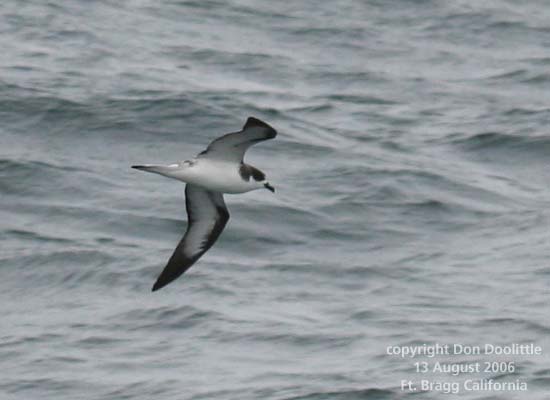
x: 147, y: 167
x: 166, y: 170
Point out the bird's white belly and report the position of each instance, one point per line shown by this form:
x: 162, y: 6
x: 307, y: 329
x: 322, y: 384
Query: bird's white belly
x: 218, y: 176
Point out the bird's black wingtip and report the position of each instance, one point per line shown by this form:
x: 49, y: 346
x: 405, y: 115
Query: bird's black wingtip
x: 163, y: 280
x: 252, y: 122
x: 138, y: 166
x: 157, y: 286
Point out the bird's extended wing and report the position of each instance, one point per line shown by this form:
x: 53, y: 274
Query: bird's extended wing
x: 232, y: 146
x: 206, y: 218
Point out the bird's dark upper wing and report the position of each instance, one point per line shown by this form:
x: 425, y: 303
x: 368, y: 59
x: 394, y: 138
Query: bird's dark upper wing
x: 207, y: 216
x: 232, y: 146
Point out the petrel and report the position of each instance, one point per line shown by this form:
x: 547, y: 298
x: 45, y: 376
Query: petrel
x: 217, y: 170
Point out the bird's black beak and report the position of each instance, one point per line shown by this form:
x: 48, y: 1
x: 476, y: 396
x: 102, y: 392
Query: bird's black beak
x: 269, y: 187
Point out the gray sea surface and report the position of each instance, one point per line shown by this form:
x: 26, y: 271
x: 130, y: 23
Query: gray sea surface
x: 412, y: 170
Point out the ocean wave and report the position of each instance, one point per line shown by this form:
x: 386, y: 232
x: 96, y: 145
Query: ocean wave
x: 356, y: 394
x: 495, y: 141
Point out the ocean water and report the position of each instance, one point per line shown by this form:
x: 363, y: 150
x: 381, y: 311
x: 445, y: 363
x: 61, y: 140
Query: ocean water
x: 412, y: 170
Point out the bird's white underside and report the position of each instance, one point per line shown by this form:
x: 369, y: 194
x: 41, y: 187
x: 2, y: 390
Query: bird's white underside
x: 214, y: 175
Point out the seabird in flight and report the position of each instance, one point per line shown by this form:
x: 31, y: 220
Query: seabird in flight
x: 217, y: 170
